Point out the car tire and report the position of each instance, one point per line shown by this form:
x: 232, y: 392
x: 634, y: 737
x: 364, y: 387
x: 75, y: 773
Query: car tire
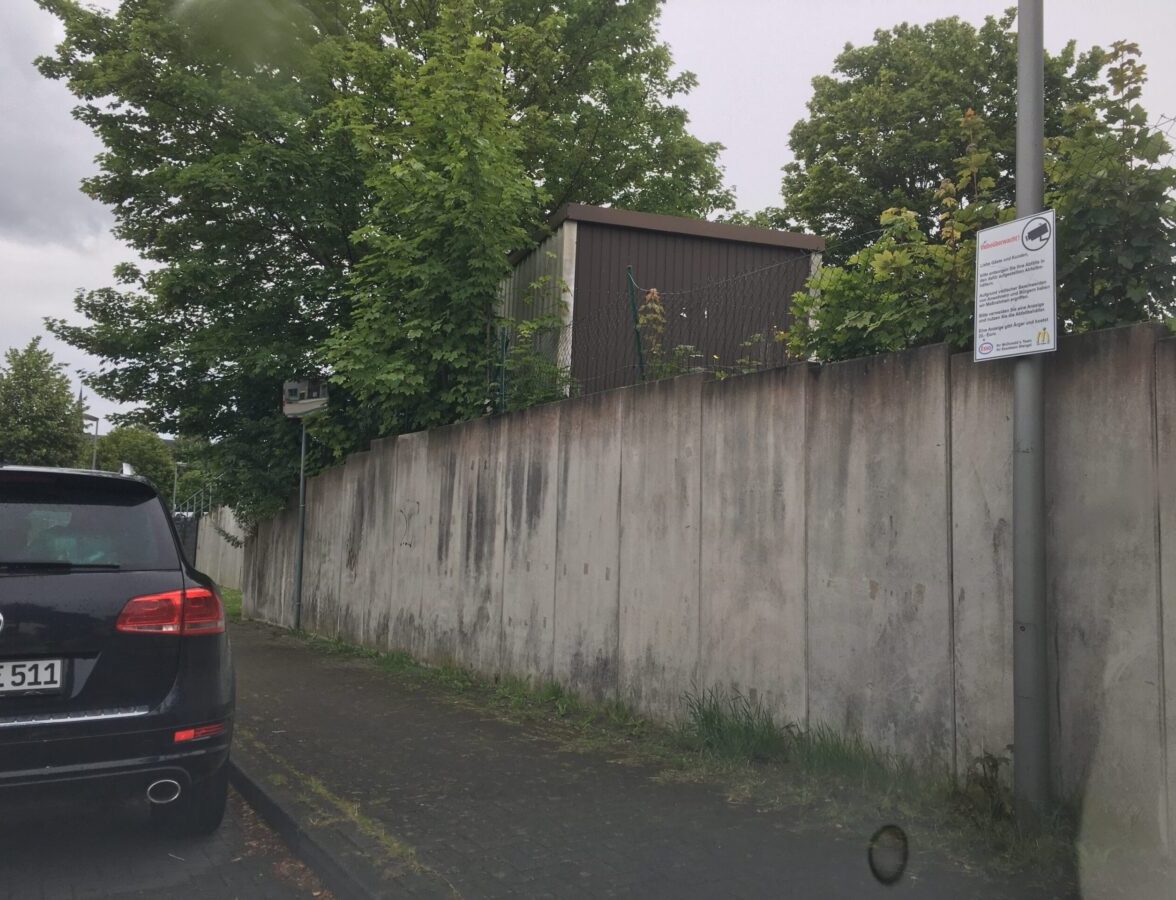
x: 199, y: 810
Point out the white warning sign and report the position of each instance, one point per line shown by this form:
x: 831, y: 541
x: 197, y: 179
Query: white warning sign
x: 1016, y: 288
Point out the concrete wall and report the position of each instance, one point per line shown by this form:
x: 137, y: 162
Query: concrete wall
x: 1165, y: 395
x: 661, y: 542
x: 1103, y: 573
x: 216, y: 555
x: 588, y: 545
x: 982, y: 556
x: 878, y: 538
x: 834, y: 541
x: 752, y: 626
x: 529, y: 552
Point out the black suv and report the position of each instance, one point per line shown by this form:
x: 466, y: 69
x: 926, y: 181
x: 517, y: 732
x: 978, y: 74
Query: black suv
x: 114, y: 661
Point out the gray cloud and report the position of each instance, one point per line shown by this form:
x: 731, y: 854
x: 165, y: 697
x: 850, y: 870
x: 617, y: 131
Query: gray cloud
x: 40, y: 281
x: 44, y: 152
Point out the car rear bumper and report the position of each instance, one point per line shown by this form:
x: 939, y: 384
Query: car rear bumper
x: 131, y: 759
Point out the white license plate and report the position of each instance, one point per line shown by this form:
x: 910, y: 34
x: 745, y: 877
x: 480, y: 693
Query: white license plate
x: 31, y: 675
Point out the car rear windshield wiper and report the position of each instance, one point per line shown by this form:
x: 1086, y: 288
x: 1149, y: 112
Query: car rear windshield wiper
x: 54, y: 566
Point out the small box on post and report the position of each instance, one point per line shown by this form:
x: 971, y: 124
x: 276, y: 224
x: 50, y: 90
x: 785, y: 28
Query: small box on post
x: 303, y: 396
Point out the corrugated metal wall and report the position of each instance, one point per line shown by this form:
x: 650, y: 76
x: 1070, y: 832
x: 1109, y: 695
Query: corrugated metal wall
x: 717, y: 294
x: 535, y: 286
x: 543, y: 284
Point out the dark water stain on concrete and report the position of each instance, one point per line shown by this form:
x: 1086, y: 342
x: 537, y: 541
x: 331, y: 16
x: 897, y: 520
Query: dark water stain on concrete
x: 445, y: 507
x: 516, y: 489
x: 593, y: 673
x: 355, y: 529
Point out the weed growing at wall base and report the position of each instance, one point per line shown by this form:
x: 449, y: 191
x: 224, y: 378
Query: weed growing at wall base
x: 732, y: 726
x: 231, y: 597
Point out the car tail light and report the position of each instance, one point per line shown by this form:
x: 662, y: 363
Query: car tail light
x: 195, y: 734
x: 191, y: 612
x: 153, y: 614
x: 203, y: 612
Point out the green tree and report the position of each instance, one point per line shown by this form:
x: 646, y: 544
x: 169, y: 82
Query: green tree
x: 882, y: 129
x: 248, y: 146
x: 1115, y: 199
x: 191, y: 456
x: 40, y: 419
x: 452, y: 200
x: 1116, y: 230
x: 908, y: 287
x: 141, y: 449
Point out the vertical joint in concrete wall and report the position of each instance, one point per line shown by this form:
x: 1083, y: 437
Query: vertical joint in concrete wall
x: 950, y: 523
x: 1153, y: 385
x: 698, y: 521
x: 806, y: 449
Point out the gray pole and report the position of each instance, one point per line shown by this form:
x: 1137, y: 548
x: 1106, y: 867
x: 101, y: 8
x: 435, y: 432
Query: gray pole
x: 1031, y: 774
x: 301, y: 532
x: 94, y: 454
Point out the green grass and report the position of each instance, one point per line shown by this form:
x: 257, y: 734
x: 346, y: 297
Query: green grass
x: 732, y: 726
x: 231, y: 597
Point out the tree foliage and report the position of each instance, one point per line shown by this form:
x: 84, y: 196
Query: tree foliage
x: 1109, y: 178
x: 882, y: 129
x: 451, y: 200
x: 908, y: 287
x: 141, y: 449
x: 1116, y: 257
x: 40, y: 419
x: 255, y: 154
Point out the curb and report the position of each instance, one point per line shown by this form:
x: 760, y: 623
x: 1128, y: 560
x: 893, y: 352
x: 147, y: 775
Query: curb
x: 339, y: 877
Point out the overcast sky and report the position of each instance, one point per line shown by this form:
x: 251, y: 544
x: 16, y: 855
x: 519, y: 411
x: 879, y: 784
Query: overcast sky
x: 754, y: 60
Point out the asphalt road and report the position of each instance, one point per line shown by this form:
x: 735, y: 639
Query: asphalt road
x: 59, y: 848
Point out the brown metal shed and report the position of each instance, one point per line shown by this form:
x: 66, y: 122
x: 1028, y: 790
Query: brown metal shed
x: 720, y: 285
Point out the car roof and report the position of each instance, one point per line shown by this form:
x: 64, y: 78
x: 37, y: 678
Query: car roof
x: 87, y: 473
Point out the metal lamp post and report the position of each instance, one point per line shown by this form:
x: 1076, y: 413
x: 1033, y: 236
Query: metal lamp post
x: 1031, y: 776
x: 176, y: 480
x: 301, y: 399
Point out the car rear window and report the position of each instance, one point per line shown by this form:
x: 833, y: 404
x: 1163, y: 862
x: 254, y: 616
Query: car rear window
x: 81, y: 520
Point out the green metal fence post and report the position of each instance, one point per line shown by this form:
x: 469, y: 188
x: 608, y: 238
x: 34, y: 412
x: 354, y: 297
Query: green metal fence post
x: 636, y: 324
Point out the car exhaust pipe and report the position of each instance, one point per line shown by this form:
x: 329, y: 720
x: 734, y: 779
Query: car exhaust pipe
x: 163, y: 791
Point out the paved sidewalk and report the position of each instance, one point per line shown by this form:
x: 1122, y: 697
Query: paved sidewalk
x: 424, y: 797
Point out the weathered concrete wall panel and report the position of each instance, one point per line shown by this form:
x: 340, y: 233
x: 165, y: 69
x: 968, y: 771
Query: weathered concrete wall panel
x: 752, y: 598
x: 463, y: 621
x: 528, y: 594
x: 879, y: 589
x: 216, y: 556
x: 661, y: 467
x: 375, y: 568
x: 982, y: 555
x: 268, y: 569
x: 1166, y: 473
x: 1103, y: 571
x: 323, y: 553
x: 359, y: 546
x: 588, y: 544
